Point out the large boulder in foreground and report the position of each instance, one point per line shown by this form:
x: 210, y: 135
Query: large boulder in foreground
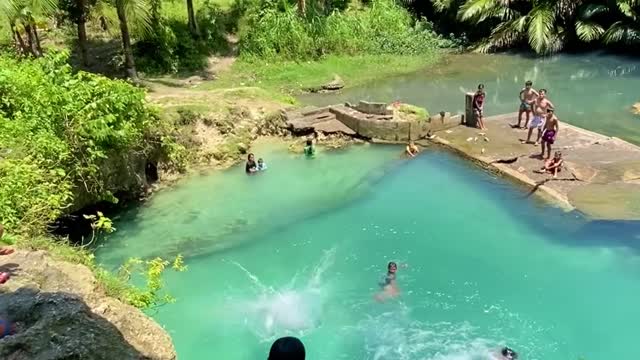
x: 61, y: 314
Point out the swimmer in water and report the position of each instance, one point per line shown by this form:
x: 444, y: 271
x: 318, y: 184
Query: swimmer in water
x: 506, y: 354
x: 388, y: 284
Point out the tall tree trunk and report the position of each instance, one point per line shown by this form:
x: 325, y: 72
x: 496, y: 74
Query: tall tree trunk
x: 31, y: 40
x: 36, y: 37
x: 193, y: 24
x: 82, y: 33
x: 302, y: 7
x: 129, y: 64
x: 18, y: 39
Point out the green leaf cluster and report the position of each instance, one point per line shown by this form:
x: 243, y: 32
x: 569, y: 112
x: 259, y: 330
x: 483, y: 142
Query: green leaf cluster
x: 56, y: 129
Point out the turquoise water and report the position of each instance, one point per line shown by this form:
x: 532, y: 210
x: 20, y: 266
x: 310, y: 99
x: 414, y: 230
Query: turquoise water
x: 592, y: 91
x: 299, y: 249
x: 486, y: 266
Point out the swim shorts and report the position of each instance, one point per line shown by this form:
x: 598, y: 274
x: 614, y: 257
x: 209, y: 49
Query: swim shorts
x: 536, y: 122
x: 549, y: 136
x: 525, y: 107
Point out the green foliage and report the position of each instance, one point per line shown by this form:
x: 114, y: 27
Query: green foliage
x: 56, y: 129
x: 151, y: 295
x: 382, y: 28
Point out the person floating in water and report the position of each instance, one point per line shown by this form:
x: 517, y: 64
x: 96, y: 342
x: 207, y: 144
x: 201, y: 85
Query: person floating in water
x: 540, y: 107
x: 251, y: 166
x: 412, y: 149
x: 552, y: 166
x: 549, y: 133
x: 478, y: 106
x: 309, y: 149
x: 287, y: 348
x: 261, y: 165
x: 388, y: 283
x: 528, y: 97
x: 506, y: 354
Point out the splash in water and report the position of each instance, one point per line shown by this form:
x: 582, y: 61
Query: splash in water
x: 293, y: 308
x: 395, y: 335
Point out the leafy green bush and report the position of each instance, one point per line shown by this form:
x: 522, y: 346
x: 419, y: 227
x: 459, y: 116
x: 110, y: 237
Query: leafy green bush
x: 56, y: 129
x: 382, y: 28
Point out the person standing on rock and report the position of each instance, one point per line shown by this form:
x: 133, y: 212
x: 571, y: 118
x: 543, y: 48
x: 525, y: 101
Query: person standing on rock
x: 478, y: 106
x: 549, y: 133
x: 540, y: 107
x: 528, y: 97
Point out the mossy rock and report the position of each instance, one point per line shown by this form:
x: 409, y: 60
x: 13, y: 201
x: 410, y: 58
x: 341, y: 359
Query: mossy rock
x: 412, y: 112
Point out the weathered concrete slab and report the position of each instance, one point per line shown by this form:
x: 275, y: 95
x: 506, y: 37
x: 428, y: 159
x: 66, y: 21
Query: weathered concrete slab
x: 601, y: 176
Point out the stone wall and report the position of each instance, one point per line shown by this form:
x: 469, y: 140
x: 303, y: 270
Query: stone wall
x: 374, y: 108
x: 375, y: 127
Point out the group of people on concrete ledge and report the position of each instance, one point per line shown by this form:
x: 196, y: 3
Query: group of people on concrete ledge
x: 291, y: 348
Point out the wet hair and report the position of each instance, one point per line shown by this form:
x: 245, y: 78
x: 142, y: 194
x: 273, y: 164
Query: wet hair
x: 528, y: 83
x: 545, y: 90
x: 550, y: 110
x: 309, y: 142
x: 481, y: 87
x: 392, y: 263
x: 287, y: 348
x: 259, y: 160
x: 249, y: 156
x: 509, y: 354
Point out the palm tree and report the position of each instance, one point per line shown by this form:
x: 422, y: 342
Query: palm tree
x: 545, y: 24
x: 136, y: 11
x: 21, y: 16
x: 625, y: 28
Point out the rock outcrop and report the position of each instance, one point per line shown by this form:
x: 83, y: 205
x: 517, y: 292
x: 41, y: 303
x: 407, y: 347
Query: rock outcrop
x: 60, y: 313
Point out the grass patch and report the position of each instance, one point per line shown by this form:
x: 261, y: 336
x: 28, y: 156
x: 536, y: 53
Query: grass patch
x: 292, y: 78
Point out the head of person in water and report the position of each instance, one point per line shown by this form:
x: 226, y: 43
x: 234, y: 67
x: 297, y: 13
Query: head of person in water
x: 392, y: 267
x: 309, y: 142
x: 260, y: 161
x: 542, y: 93
x: 509, y: 354
x: 528, y: 84
x: 287, y: 348
x: 251, y: 157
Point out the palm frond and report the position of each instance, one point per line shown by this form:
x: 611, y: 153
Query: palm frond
x: 138, y: 16
x: 9, y: 9
x: 620, y: 32
x: 541, y: 28
x: 472, y: 10
x: 592, y: 10
x: 588, y: 31
x: 626, y: 9
x: 440, y: 5
x: 504, y: 35
x: 41, y: 7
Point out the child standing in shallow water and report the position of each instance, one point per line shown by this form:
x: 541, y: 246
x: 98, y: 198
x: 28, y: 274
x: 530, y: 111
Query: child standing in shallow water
x: 478, y: 106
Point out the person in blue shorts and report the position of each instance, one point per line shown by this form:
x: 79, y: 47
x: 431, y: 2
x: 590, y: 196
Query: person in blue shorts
x: 528, y: 97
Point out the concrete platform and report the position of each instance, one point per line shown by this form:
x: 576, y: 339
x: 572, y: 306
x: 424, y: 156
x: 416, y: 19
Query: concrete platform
x: 601, y: 175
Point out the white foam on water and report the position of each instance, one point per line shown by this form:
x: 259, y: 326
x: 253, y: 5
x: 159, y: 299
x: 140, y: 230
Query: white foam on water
x: 394, y: 335
x: 292, y: 308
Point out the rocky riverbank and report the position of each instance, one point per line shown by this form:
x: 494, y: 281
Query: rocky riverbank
x: 60, y: 313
